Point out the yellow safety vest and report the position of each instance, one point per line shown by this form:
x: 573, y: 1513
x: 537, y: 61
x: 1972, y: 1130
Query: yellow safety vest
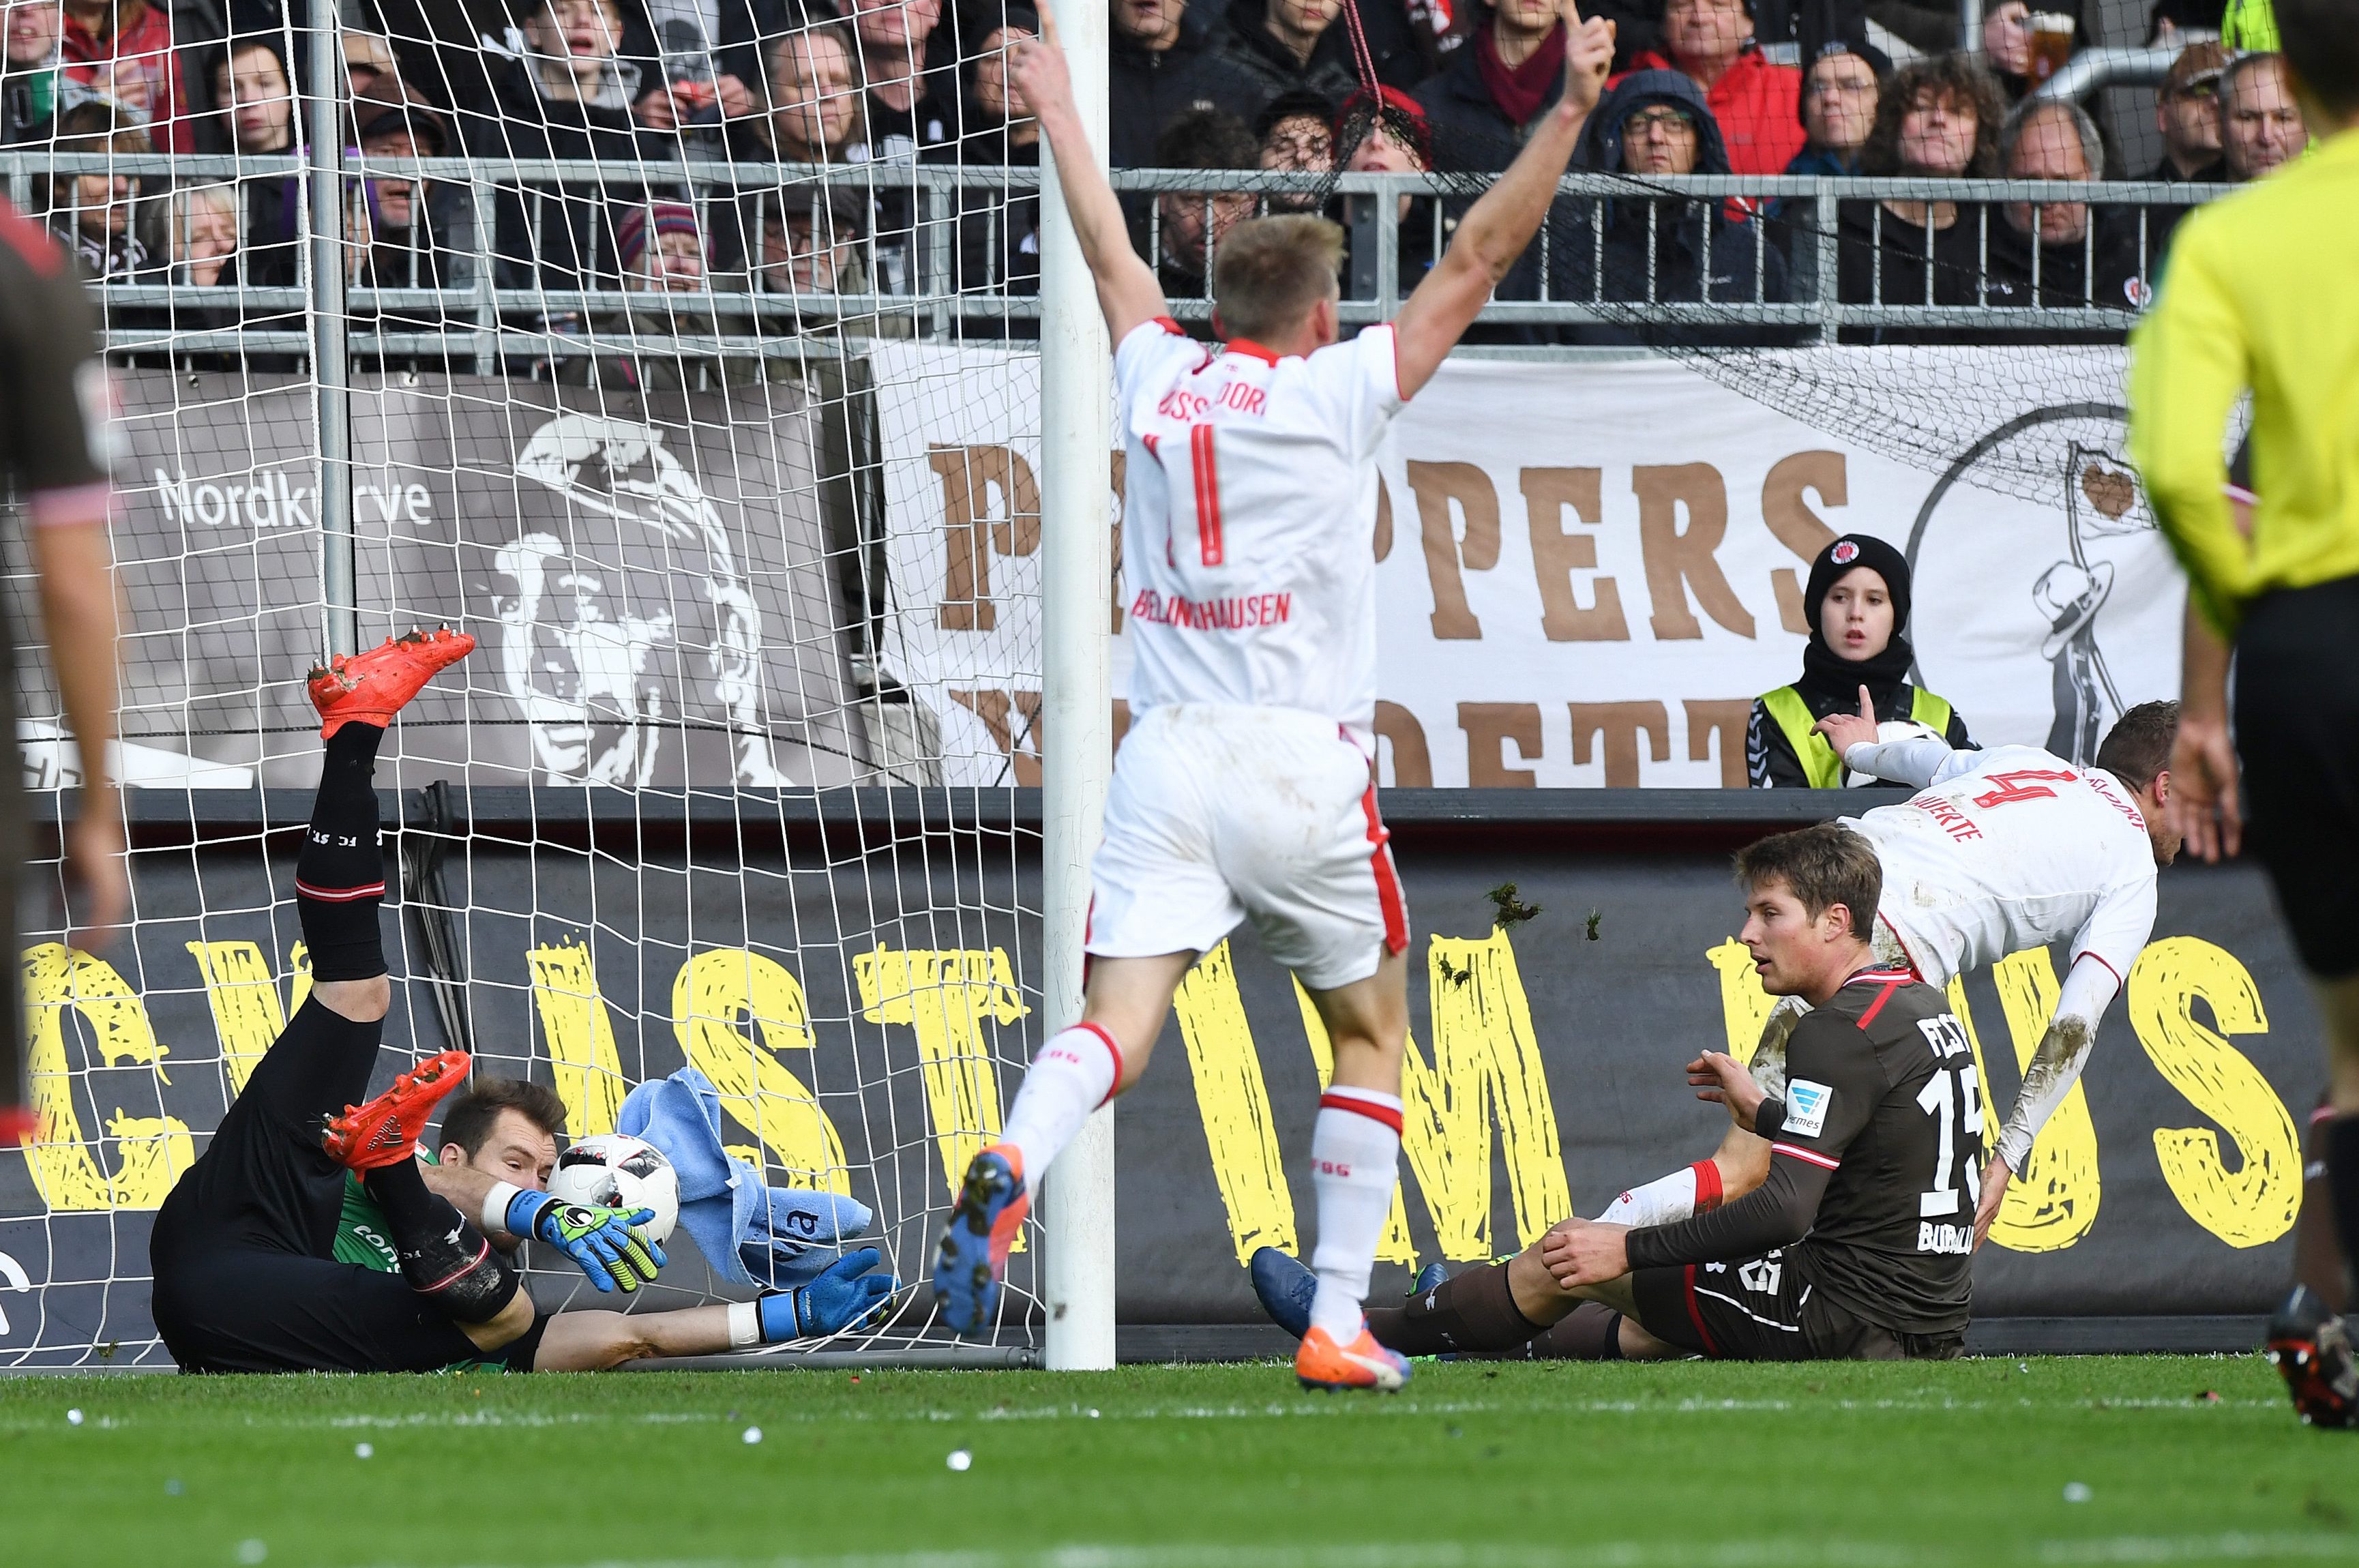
x: 1820, y: 765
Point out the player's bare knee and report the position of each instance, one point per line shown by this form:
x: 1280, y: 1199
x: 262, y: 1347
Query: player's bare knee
x: 506, y: 1326
x: 1743, y: 1162
x: 359, y: 1001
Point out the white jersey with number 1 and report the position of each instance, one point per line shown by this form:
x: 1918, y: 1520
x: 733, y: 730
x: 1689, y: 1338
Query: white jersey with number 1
x: 1248, y: 521
x: 1243, y: 791
x: 2014, y: 848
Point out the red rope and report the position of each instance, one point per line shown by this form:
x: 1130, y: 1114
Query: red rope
x: 1366, y: 62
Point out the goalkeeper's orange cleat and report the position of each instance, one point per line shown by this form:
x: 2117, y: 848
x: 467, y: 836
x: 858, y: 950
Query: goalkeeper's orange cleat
x: 1321, y: 1362
x: 373, y: 686
x: 386, y: 1131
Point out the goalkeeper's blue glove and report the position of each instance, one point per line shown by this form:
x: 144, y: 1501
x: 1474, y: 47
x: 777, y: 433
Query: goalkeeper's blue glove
x: 605, y: 1243
x: 845, y: 1295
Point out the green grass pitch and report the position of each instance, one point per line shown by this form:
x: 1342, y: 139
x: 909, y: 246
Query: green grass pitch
x: 2081, y: 1461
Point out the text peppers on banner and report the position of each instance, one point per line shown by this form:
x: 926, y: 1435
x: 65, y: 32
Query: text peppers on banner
x: 1585, y: 575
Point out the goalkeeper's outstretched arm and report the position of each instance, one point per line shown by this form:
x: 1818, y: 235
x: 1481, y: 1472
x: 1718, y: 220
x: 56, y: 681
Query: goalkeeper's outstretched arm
x: 847, y: 1294
x: 1497, y: 229
x: 1128, y: 290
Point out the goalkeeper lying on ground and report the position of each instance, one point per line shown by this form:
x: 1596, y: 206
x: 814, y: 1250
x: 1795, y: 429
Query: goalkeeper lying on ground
x: 257, y: 1252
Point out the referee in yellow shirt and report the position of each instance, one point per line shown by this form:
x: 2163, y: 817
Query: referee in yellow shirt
x: 2263, y: 293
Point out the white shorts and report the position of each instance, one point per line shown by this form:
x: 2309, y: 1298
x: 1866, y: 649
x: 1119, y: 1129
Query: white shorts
x: 1218, y: 814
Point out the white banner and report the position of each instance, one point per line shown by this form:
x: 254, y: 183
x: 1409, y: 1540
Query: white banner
x: 1587, y: 571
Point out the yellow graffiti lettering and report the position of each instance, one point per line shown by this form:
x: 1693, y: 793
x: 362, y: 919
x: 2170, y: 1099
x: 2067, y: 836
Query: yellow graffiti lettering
x: 2050, y: 1202
x: 1486, y: 1067
x: 154, y: 1150
x: 1744, y: 1007
x: 1395, y: 1246
x: 2255, y: 1203
x: 725, y: 1001
x: 580, y: 1035
x: 243, y: 996
x: 945, y: 997
x: 1233, y: 1104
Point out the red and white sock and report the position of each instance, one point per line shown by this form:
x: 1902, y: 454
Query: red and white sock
x: 1073, y: 1074
x: 1354, y: 1152
x: 1680, y: 1195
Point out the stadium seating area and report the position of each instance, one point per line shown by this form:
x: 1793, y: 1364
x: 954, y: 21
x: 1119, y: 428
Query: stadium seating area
x: 156, y: 137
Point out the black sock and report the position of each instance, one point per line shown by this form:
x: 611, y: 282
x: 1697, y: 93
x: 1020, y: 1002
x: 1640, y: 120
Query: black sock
x: 443, y: 1254
x: 339, y: 873
x: 2343, y: 1179
x: 1472, y: 1312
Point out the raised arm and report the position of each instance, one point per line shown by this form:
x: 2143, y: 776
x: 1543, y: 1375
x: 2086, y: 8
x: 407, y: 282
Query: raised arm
x: 1497, y: 229
x: 1128, y: 290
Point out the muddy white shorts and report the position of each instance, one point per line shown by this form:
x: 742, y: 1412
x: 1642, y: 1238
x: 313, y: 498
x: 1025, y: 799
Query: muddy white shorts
x: 1218, y: 814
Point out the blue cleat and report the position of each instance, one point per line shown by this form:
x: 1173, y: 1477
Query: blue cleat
x: 1286, y: 1287
x: 973, y: 1259
x: 1432, y: 1276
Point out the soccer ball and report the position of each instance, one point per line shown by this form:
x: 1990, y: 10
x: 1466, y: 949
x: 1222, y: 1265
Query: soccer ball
x: 615, y: 1170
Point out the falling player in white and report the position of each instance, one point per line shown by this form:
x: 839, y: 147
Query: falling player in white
x: 1244, y: 788
x: 1999, y: 851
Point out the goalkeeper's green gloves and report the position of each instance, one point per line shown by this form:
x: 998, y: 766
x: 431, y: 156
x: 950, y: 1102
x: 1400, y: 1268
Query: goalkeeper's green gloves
x: 605, y: 1243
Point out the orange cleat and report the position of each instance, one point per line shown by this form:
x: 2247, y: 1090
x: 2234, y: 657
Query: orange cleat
x: 373, y: 686
x: 1321, y: 1362
x: 17, y: 1125
x: 386, y: 1131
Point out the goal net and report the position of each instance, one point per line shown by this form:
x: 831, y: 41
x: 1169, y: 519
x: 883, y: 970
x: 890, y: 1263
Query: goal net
x: 603, y: 352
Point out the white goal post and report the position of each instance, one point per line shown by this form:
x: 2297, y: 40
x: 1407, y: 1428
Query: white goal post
x: 1077, y: 708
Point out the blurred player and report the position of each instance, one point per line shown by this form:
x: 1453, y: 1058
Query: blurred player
x: 1855, y: 1246
x: 53, y: 437
x: 270, y: 1257
x: 1244, y: 790
x: 2263, y: 296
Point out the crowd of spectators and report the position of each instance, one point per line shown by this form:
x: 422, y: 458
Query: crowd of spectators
x: 856, y: 91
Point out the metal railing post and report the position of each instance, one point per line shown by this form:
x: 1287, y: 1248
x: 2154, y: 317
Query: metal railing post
x: 1824, y: 242
x: 331, y: 370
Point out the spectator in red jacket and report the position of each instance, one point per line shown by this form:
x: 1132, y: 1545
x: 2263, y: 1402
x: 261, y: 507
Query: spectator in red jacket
x: 124, y: 49
x: 1756, y: 105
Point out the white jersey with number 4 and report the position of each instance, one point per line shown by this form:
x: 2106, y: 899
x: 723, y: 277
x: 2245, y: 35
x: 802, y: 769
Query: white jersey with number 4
x: 1248, y: 521
x: 2014, y: 848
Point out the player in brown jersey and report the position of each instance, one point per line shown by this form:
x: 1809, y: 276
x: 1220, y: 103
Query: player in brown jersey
x: 1859, y: 1244
x: 53, y: 451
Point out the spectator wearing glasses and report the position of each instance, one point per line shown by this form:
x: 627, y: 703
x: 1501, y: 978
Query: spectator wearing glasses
x: 30, y: 71
x: 1939, y: 118
x: 1756, y: 103
x: 1669, y: 250
x: 2261, y: 126
x: 2081, y: 256
x: 2187, y: 114
x: 1839, y: 96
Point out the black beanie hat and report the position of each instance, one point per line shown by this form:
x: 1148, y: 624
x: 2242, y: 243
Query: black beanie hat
x: 1858, y: 549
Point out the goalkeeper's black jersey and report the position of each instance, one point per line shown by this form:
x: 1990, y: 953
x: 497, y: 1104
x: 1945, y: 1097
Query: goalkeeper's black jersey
x: 1877, y: 1152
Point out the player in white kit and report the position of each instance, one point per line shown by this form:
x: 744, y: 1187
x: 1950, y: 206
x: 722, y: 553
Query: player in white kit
x: 1999, y: 851
x: 1243, y: 788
